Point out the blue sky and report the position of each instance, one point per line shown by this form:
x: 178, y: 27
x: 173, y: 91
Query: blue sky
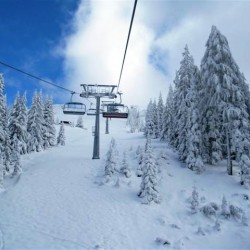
x: 30, y: 33
x: 70, y: 42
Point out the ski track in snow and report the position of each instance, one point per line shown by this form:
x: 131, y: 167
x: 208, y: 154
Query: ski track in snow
x: 60, y: 201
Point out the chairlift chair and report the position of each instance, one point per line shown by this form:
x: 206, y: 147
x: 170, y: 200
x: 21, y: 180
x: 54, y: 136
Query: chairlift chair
x: 74, y: 108
x: 115, y: 110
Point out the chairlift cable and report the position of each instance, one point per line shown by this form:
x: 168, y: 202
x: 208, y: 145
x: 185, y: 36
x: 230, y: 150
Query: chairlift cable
x: 36, y: 77
x: 39, y: 78
x: 130, y: 27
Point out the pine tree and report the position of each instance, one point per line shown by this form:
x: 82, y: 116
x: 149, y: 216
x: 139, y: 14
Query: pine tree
x: 183, y: 81
x: 1, y: 171
x: 79, y: 122
x: 245, y: 170
x: 35, y: 125
x: 194, y: 201
x: 125, y: 169
x: 49, y: 132
x: 140, y: 162
x: 149, y: 121
x: 225, y: 110
x: 155, y: 119
x: 110, y: 165
x: 224, y: 208
x: 5, y: 146
x: 16, y: 159
x: 194, y: 138
x: 149, y: 181
x: 18, y: 124
x: 167, y: 132
x: 61, y: 136
x: 7, y: 149
x: 2, y: 111
x: 160, y: 112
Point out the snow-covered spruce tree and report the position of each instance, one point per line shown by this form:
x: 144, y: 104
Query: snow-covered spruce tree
x: 167, y: 119
x: 160, y: 112
x: 1, y: 171
x: 35, y: 124
x: 18, y: 124
x: 49, y: 131
x: 125, y: 169
x: 245, y: 170
x: 225, y: 110
x: 149, y: 180
x: 17, y: 170
x: 149, y: 121
x: 61, y: 136
x: 224, y: 208
x: 183, y: 81
x: 134, y: 119
x: 155, y: 119
x: 7, y: 150
x: 111, y: 160
x: 79, y: 122
x: 194, y: 201
x: 194, y: 138
x: 5, y: 146
x: 140, y: 155
x: 2, y: 110
x: 138, y: 151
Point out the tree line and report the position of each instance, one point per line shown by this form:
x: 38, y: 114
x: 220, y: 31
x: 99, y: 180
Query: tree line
x: 23, y: 130
x: 206, y: 117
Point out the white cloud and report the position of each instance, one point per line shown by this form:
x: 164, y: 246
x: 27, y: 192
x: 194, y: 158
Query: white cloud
x: 94, y: 52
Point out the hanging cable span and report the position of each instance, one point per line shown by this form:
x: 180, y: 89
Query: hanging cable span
x: 130, y: 27
x: 35, y: 77
x: 40, y: 79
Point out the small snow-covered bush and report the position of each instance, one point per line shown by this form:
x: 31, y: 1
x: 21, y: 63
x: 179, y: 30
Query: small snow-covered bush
x: 215, y: 206
x: 217, y: 225
x: 208, y: 210
x: 235, y: 212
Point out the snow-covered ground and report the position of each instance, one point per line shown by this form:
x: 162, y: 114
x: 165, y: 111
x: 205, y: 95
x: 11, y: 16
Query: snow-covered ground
x: 61, y: 201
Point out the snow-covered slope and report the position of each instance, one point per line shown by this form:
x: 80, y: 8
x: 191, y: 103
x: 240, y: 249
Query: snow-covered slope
x: 61, y: 201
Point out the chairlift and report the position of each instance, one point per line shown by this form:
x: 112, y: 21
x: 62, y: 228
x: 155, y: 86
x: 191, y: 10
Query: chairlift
x: 74, y: 108
x: 115, y: 110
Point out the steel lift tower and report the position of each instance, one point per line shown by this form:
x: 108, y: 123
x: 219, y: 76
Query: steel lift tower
x: 97, y: 91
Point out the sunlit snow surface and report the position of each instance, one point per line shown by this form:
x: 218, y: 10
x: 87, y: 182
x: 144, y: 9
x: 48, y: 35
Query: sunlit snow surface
x: 61, y: 201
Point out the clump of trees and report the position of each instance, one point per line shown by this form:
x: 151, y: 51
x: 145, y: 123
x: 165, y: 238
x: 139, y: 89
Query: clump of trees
x: 206, y: 116
x: 23, y: 130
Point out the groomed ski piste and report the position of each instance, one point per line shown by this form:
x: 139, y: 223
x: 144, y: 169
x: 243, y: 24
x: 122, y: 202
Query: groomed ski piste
x: 61, y: 200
